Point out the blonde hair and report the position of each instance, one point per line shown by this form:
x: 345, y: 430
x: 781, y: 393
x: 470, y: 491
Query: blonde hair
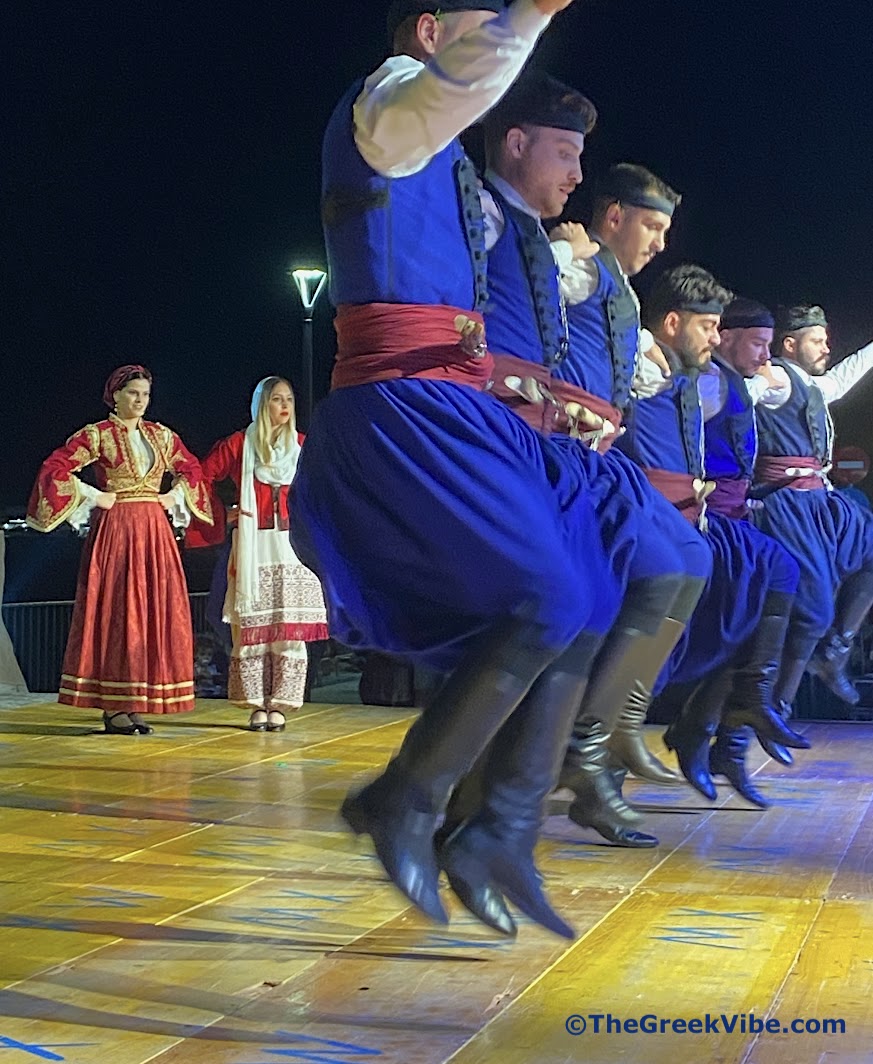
x: 264, y: 428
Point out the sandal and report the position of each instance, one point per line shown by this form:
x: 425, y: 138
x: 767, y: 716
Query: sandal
x: 275, y: 720
x: 141, y: 726
x: 118, y: 724
x: 258, y: 720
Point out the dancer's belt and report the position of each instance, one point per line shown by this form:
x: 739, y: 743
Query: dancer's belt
x: 730, y: 497
x: 552, y: 405
x: 800, y: 473
x: 135, y: 496
x: 687, y: 493
x: 384, y: 341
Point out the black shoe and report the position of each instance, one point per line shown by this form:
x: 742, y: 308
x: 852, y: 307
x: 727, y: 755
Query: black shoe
x: 275, y: 720
x: 470, y: 880
x: 777, y: 751
x: 141, y: 726
x: 691, y: 733
x: 611, y: 831
x: 484, y: 868
x: 728, y: 758
x: 829, y: 664
x: 403, y: 839
x: 118, y: 724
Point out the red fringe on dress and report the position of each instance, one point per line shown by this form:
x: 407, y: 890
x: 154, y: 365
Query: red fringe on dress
x: 131, y: 646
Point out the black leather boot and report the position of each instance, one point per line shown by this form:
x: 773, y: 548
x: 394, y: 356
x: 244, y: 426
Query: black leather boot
x: 691, y: 734
x: 490, y: 856
x: 751, y: 699
x: 777, y: 751
x: 798, y: 649
x: 728, y: 758
x: 629, y: 650
x: 626, y: 743
x: 830, y: 662
x: 400, y: 810
x: 831, y: 658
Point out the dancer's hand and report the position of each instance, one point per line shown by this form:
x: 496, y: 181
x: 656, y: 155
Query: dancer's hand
x: 767, y: 371
x: 105, y: 500
x: 167, y: 501
x: 656, y: 355
x: 578, y: 239
x: 552, y: 7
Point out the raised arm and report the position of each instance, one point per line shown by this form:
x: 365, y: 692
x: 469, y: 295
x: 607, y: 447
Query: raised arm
x: 844, y: 376
x: 409, y: 111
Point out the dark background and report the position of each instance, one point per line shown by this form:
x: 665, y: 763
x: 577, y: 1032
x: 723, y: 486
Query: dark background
x: 160, y: 175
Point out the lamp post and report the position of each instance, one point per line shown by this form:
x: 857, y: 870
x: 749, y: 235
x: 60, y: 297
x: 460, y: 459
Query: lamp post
x: 310, y: 283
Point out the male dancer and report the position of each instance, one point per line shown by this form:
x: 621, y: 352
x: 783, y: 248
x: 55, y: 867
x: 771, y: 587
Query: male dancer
x: 741, y: 618
x: 534, y: 139
x: 830, y: 536
x: 443, y: 528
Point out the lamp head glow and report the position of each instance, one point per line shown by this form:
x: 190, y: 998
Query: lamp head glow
x: 310, y: 283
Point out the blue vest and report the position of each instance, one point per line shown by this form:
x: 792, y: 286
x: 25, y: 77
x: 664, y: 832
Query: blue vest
x: 417, y: 239
x: 731, y: 438
x: 664, y: 432
x: 524, y: 313
x: 801, y: 426
x: 604, y: 336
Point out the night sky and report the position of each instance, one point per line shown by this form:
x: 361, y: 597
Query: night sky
x: 161, y: 174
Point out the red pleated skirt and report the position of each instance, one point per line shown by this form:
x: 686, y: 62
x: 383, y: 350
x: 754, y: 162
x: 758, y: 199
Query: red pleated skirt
x: 131, y: 645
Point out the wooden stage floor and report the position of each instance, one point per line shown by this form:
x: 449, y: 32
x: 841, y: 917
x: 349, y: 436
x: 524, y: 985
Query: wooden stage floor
x: 190, y: 898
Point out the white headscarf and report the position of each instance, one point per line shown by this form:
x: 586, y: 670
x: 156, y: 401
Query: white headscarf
x: 278, y: 472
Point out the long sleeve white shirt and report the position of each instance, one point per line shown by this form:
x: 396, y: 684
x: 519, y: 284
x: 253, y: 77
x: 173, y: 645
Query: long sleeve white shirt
x: 409, y: 111
x: 833, y: 385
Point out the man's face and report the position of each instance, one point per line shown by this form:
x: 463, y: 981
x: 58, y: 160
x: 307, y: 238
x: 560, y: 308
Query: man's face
x: 746, y: 349
x: 546, y: 166
x: 696, y: 338
x: 810, y: 349
x: 635, y: 235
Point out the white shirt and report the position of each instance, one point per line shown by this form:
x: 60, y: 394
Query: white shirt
x: 833, y: 385
x: 712, y: 387
x: 410, y: 111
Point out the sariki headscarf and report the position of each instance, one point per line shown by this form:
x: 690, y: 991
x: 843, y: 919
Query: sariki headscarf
x: 278, y: 472
x: 117, y: 380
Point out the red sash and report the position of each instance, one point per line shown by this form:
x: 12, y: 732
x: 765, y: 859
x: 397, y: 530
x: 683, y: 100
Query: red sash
x: 677, y: 488
x: 770, y: 470
x: 384, y: 341
x: 729, y: 497
x: 545, y: 402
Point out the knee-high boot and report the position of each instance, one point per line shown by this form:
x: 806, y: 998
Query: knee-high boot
x: 489, y: 857
x: 401, y: 809
x: 831, y: 658
x: 587, y: 770
x: 626, y: 744
x: 691, y: 734
x: 752, y: 695
x: 798, y: 650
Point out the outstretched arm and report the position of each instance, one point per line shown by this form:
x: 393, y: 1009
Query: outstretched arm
x: 409, y: 111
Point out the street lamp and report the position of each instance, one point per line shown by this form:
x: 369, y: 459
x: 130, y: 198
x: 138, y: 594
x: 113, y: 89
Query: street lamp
x: 310, y: 283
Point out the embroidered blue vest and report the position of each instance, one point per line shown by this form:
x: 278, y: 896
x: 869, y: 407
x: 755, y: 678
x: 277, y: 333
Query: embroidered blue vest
x: 524, y: 312
x: 731, y: 437
x: 801, y: 426
x: 664, y: 432
x: 604, y: 336
x: 417, y: 239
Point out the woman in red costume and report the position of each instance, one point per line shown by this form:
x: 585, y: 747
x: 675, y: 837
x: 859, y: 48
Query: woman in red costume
x: 130, y: 649
x: 274, y: 604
